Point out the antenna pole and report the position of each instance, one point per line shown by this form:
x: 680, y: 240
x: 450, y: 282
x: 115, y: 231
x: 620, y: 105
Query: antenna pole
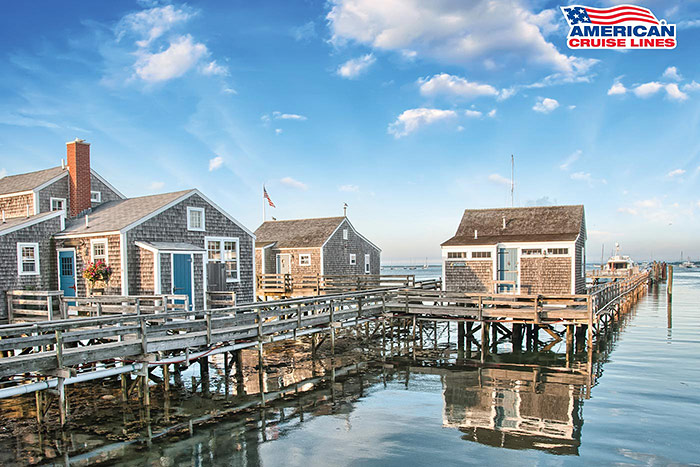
x: 512, y: 181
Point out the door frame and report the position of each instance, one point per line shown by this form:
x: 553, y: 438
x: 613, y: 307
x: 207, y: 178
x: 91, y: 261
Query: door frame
x: 277, y: 263
x: 75, y: 267
x: 516, y: 289
x: 172, y: 275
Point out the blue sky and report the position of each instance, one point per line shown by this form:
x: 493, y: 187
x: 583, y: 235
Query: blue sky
x: 408, y: 111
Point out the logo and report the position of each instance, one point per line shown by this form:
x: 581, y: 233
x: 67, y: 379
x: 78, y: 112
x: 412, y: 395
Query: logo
x: 618, y: 27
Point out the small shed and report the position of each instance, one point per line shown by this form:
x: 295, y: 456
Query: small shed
x: 534, y: 250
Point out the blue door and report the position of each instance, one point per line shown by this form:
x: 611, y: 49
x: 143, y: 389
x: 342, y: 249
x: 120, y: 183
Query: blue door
x: 182, y: 275
x: 66, y: 273
x: 507, y: 270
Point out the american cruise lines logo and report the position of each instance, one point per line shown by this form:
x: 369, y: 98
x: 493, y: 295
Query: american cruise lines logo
x: 618, y: 27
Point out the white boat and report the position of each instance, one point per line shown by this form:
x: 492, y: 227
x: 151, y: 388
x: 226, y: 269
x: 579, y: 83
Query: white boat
x: 620, y: 265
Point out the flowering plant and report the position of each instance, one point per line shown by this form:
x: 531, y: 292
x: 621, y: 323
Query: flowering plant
x: 97, y: 271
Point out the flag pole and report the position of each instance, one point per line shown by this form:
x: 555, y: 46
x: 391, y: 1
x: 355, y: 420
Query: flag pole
x: 263, y: 201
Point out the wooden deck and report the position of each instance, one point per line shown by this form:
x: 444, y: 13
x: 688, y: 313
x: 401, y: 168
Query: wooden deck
x: 287, y: 285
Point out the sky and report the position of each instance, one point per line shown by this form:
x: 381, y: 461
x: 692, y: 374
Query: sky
x: 408, y: 111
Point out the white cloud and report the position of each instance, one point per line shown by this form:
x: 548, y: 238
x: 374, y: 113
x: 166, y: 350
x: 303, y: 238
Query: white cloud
x: 214, y: 69
x: 626, y: 210
x: 355, y: 66
x: 648, y: 89
x: 545, y: 105
x: 698, y: 204
x: 278, y: 131
x: 675, y: 173
x: 587, y: 177
x: 290, y: 182
x: 229, y: 91
x: 412, y: 119
x: 499, y: 179
x: 692, y: 86
x: 672, y: 74
x: 305, y: 32
x: 450, y: 85
x: 492, y: 113
x: 182, y: 54
x: 349, y: 188
x: 571, y: 107
x: 674, y: 93
x: 617, y: 89
x: 156, y: 186
x: 454, y: 32
x: 280, y: 116
x: 216, y: 163
x: 473, y: 113
x: 573, y: 157
x: 151, y: 24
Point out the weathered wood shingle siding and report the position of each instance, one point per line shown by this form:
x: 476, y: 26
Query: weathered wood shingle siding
x: 16, y: 206
x: 336, y: 253
x: 107, y: 193
x: 47, y: 279
x: 144, y: 271
x: 171, y: 226
x: 58, y: 189
x: 83, y: 256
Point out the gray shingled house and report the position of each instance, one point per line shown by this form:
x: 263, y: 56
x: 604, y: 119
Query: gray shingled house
x: 56, y: 221
x: 307, y: 247
x: 537, y: 250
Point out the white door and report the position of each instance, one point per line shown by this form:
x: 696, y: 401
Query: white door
x: 283, y: 264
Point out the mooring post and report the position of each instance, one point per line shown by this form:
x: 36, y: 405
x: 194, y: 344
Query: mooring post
x: 204, y: 375
x: 166, y: 377
x: 240, y: 380
x: 460, y: 340
x: 413, y: 337
x: 669, y: 284
x: 517, y: 337
x: 332, y: 326
x: 261, y: 372
x: 484, y: 339
x: 39, y: 399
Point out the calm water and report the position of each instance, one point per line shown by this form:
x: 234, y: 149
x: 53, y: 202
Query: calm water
x: 443, y: 408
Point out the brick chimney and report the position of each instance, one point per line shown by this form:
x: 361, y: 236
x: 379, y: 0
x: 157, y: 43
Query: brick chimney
x: 79, y: 176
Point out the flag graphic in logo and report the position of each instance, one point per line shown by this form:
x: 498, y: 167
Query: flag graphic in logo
x: 267, y: 197
x: 618, y: 27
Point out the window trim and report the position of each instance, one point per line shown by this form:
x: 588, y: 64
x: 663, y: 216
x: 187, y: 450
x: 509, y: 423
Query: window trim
x: 189, y: 218
x: 353, y: 259
x: 62, y: 200
x: 93, y: 241
x: 307, y: 256
x: 367, y: 263
x: 550, y: 253
x: 95, y: 199
x: 487, y: 255
x: 345, y: 234
x: 20, y: 268
x: 221, y: 241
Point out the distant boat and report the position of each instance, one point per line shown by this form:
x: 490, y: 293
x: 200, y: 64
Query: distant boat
x: 619, y: 265
x: 425, y: 265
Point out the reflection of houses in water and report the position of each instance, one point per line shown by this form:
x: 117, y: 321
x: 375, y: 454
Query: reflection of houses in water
x: 515, y: 408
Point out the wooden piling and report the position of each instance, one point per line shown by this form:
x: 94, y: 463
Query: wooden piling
x: 669, y: 284
x: 204, y: 375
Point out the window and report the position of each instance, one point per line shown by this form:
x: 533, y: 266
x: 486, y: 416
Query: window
x: 195, y: 219
x: 456, y: 254
x: 28, y: 259
x: 224, y: 250
x: 98, y: 250
x: 353, y: 258
x: 345, y: 234
x: 58, y: 204
x: 531, y: 251
x: 305, y: 259
x: 481, y: 254
x: 557, y: 251
x: 96, y: 196
x: 366, y: 264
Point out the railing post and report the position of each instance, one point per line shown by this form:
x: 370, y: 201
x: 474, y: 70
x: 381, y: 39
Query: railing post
x: 9, y: 307
x: 208, y: 319
x: 144, y: 335
x: 49, y: 306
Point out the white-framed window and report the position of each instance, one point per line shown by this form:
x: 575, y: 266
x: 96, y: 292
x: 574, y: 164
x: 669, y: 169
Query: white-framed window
x: 305, y: 259
x: 557, y: 251
x: 195, y: 219
x: 28, y: 259
x: 58, y: 204
x: 531, y: 251
x: 98, y: 250
x: 481, y: 254
x: 345, y: 234
x: 367, y: 268
x: 224, y: 250
x: 353, y: 258
x: 456, y: 254
x: 96, y: 196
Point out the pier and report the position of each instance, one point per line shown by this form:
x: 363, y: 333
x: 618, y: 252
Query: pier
x: 51, y: 355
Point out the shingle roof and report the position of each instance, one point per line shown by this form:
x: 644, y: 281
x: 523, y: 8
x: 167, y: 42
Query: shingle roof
x: 298, y: 233
x: 28, y: 181
x: 19, y: 221
x: 536, y: 224
x: 115, y: 215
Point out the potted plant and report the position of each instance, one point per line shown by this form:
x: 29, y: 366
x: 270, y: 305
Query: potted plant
x: 97, y: 275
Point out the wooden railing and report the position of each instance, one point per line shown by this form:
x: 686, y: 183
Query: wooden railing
x: 33, y: 305
x: 288, y: 284
x: 602, y: 297
x: 220, y: 299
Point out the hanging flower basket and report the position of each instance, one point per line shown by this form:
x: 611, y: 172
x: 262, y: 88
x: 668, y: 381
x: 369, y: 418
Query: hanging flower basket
x: 97, y: 275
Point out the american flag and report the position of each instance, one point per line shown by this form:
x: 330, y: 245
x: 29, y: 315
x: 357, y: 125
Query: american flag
x: 267, y: 197
x: 576, y: 14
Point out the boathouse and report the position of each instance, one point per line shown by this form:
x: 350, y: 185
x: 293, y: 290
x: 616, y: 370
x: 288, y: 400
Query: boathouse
x: 535, y: 250
x: 57, y: 221
x: 311, y: 247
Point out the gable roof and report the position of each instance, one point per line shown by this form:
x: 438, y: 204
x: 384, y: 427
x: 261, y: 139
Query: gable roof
x: 535, y: 224
x: 297, y: 233
x: 116, y: 215
x: 18, y: 223
x: 29, y: 181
